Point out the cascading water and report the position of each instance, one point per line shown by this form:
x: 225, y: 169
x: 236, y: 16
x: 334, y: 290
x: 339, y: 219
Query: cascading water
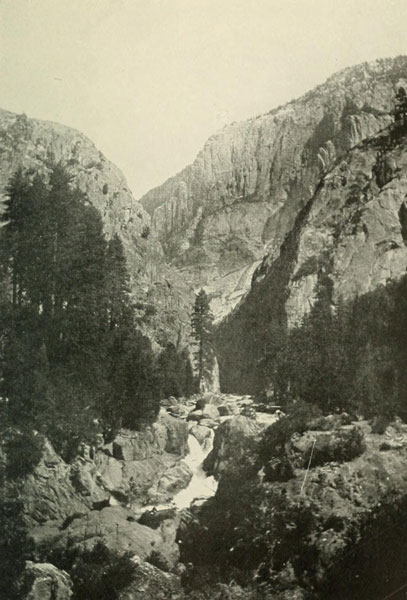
x: 201, y: 486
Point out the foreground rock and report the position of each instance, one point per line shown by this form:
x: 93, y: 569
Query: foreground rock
x: 88, y: 501
x: 153, y: 584
x: 43, y: 581
x: 119, y: 473
x: 303, y: 531
x: 234, y: 440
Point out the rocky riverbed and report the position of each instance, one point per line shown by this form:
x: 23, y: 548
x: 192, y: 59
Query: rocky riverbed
x: 129, y: 493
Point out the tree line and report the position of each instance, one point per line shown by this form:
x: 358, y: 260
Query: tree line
x: 73, y: 359
x: 351, y: 356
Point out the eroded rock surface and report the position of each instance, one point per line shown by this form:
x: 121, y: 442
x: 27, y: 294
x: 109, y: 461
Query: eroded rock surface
x: 157, y: 288
x: 243, y: 192
x: 45, y: 582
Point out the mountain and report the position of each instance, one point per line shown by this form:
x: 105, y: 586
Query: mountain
x: 240, y: 197
x: 161, y: 294
x: 351, y: 234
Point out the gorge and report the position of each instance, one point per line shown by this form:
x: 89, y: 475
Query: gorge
x: 116, y: 463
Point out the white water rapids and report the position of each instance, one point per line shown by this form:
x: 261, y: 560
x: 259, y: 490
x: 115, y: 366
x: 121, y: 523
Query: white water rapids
x: 201, y: 486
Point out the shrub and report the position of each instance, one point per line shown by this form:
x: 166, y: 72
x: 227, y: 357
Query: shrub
x: 98, y: 573
x: 24, y: 451
x: 340, y: 446
x: 275, y: 438
x: 146, y: 232
x: 278, y: 469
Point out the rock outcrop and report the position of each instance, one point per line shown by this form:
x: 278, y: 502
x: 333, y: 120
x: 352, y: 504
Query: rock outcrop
x: 340, y: 510
x: 232, y: 444
x: 45, y: 582
x: 242, y: 194
x: 162, y: 295
x: 89, y: 500
x: 153, y: 584
x: 124, y: 472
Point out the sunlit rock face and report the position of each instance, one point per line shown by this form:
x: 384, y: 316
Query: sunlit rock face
x: 158, y: 289
x: 351, y: 233
x: 240, y: 197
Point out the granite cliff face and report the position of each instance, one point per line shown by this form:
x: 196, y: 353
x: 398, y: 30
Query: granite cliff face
x: 352, y: 232
x: 240, y: 197
x: 32, y: 144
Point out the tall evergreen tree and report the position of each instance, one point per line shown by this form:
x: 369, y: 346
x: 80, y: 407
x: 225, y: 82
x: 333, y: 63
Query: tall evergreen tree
x: 70, y: 351
x: 202, y: 332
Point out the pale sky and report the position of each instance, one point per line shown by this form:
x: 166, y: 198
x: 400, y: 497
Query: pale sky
x: 150, y: 80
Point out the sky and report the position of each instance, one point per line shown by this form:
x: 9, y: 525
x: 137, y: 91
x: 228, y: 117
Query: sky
x: 150, y: 80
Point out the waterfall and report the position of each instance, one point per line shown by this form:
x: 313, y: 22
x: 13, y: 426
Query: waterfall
x: 200, y: 485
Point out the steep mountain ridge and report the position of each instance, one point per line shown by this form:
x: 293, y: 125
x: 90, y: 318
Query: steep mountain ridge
x: 219, y: 216
x: 160, y: 292
x: 351, y: 233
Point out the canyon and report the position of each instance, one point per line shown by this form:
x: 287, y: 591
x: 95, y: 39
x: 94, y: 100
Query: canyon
x: 223, y: 490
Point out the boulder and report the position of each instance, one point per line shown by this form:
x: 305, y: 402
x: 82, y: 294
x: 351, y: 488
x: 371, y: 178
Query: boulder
x: 172, y: 481
x: 167, y: 434
x: 321, y: 447
x: 49, y: 493
x: 45, y: 582
x: 152, y: 583
x: 200, y: 432
x: 195, y: 415
x: 117, y: 528
x: 178, y: 410
x: 210, y: 412
x: 233, y: 443
x: 211, y: 423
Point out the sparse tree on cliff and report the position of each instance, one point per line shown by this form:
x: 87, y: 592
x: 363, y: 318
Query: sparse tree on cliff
x: 400, y: 109
x: 202, y: 332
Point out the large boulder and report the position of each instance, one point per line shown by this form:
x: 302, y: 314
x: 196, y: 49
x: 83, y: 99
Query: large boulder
x: 49, y: 492
x: 167, y: 434
x: 234, y: 442
x: 117, y: 528
x: 172, y: 481
x: 210, y: 412
x: 43, y: 581
x: 151, y: 583
x: 201, y: 433
x: 321, y: 447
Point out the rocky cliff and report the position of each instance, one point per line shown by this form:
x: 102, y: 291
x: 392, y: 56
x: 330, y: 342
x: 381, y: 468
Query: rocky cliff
x: 327, y: 525
x: 240, y: 197
x: 351, y: 232
x: 160, y: 291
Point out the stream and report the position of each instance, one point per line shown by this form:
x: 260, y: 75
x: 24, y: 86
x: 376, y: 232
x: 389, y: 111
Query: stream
x: 201, y: 486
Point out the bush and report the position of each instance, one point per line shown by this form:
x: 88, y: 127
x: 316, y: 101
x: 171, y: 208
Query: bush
x: 146, y: 232
x: 98, y: 573
x: 339, y: 446
x: 278, y: 469
x: 275, y: 438
x: 24, y: 451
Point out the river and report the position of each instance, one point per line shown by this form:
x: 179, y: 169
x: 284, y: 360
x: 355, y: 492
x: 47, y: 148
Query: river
x: 201, y: 486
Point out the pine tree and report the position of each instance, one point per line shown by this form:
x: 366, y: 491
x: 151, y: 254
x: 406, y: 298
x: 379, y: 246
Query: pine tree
x: 117, y: 286
x: 202, y: 332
